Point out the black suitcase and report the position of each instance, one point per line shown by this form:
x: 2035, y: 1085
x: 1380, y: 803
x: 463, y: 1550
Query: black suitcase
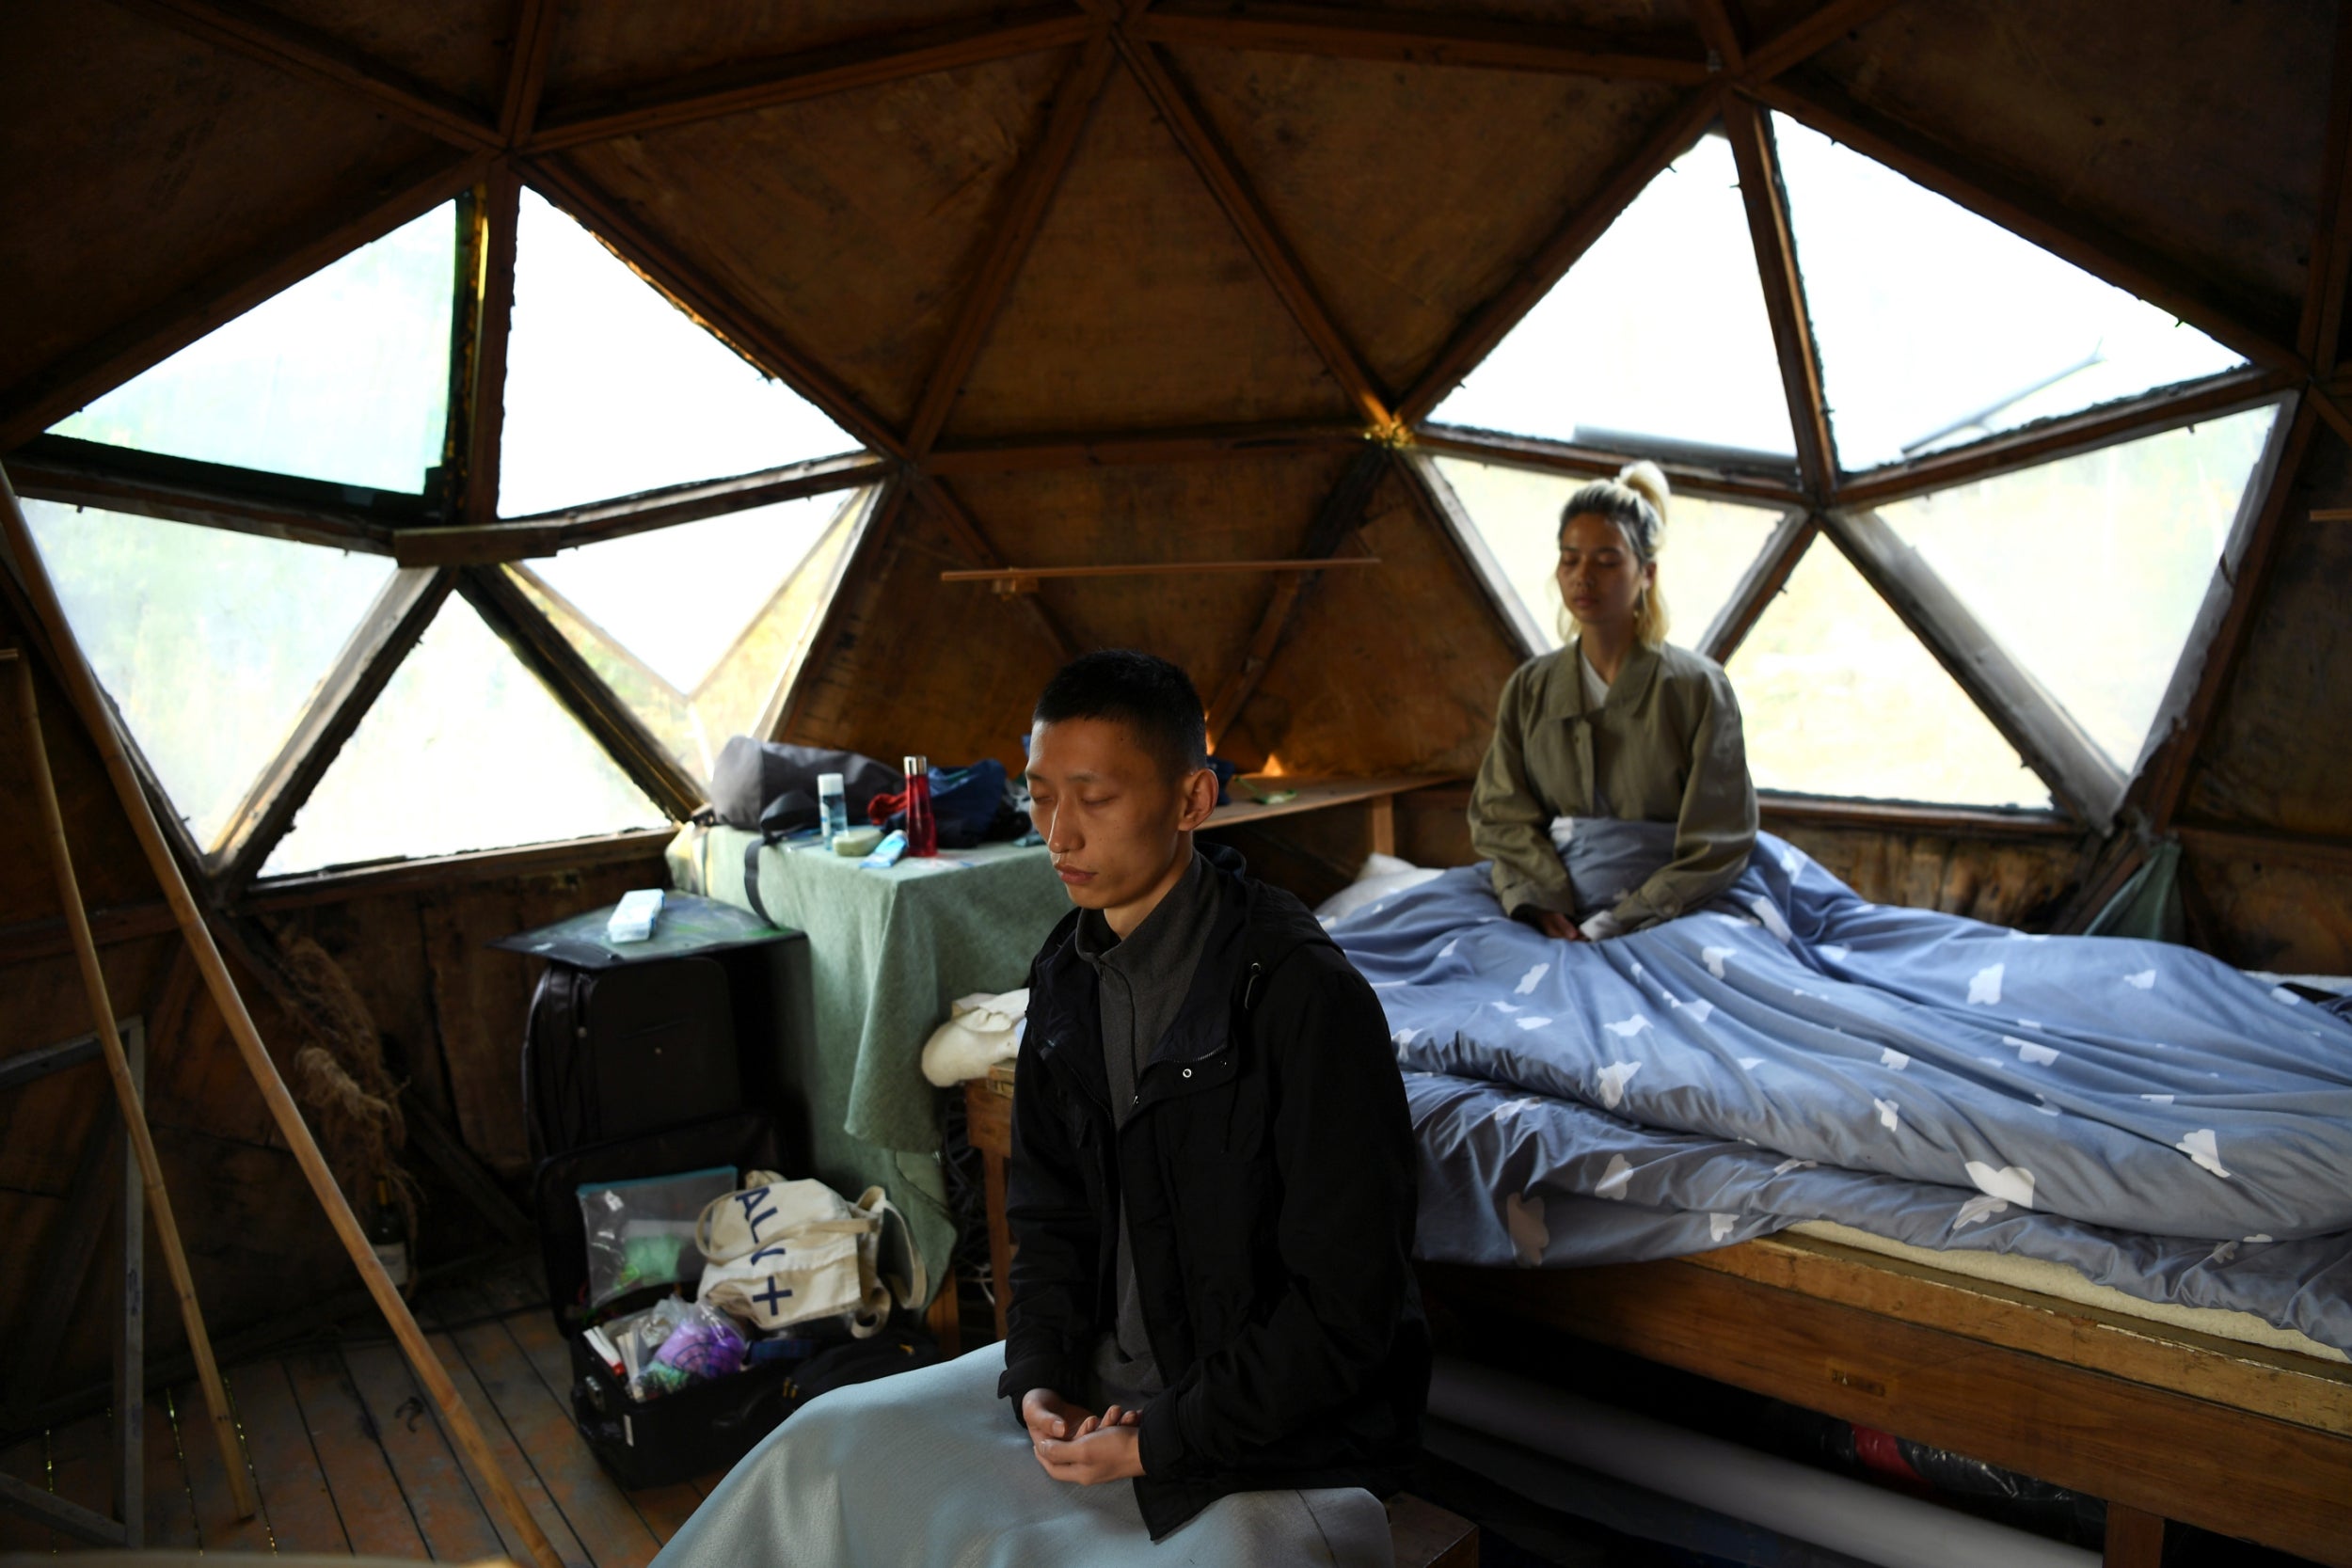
x: 610, y: 1053
x: 707, y: 1428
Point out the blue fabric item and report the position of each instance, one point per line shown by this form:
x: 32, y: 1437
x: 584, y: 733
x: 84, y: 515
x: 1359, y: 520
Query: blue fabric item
x: 2139, y: 1111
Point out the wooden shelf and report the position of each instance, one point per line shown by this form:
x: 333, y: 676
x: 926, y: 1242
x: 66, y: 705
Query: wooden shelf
x: 1315, y: 794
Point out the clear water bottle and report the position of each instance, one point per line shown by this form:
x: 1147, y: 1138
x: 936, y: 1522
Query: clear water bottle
x: 833, y: 807
x: 922, y: 831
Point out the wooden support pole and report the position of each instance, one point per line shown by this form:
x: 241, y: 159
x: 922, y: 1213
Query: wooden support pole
x: 81, y: 686
x: 128, y: 1301
x: 110, y: 1047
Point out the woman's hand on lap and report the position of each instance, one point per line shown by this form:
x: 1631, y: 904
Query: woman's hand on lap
x: 1554, y: 924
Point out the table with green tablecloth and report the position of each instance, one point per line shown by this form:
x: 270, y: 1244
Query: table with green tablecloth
x: 889, y: 951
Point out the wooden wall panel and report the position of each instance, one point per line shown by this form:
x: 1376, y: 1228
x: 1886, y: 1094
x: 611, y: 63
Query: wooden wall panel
x: 43, y: 1123
x: 2177, y: 124
x: 2278, y: 915
x: 459, y: 46
x: 1392, y: 669
x: 852, y: 222
x: 1257, y: 508
x: 1411, y: 193
x: 603, y: 46
x: 945, y: 669
x: 137, y: 160
x: 2278, y: 752
x: 1139, y: 306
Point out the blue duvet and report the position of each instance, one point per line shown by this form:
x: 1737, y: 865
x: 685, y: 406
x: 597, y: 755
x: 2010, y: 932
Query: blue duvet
x: 2141, y: 1111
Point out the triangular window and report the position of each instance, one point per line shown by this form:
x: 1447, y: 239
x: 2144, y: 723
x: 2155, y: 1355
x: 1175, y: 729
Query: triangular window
x: 700, y: 654
x: 344, y: 376
x: 1657, y: 338
x: 612, y: 389
x: 2089, y: 570
x: 1839, y: 698
x: 1937, y: 328
x: 465, y: 749
x: 1709, y: 544
x: 211, y: 644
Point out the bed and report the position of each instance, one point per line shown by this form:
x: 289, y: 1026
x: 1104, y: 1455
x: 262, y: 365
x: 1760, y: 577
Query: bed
x: 2075, y: 1207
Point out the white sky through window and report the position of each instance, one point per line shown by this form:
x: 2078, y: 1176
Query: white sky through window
x: 611, y: 389
x: 1937, y: 328
x: 1658, y: 331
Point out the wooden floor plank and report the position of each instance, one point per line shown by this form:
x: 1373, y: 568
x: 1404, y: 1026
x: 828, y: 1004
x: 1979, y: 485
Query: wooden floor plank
x: 448, y: 1509
x: 511, y: 1459
x: 170, y: 1510
x: 217, y: 1529
x: 302, y: 1516
x: 29, y: 1462
x: 374, y: 1511
x: 598, y: 1512
x: 664, y: 1508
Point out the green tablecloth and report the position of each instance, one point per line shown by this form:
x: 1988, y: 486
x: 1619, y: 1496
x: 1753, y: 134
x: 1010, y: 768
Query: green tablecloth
x: 889, y: 951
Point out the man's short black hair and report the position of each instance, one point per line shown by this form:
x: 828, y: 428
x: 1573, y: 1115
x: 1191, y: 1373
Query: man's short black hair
x: 1152, y: 697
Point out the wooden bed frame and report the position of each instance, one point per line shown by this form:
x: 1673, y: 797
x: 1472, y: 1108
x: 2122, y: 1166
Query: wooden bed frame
x: 2162, y: 1422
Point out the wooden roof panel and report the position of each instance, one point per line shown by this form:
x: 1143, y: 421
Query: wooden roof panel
x: 1253, y: 509
x: 1413, y: 193
x: 459, y: 46
x: 2171, y: 122
x: 2278, y: 746
x: 1642, y: 17
x: 1138, y: 307
x: 609, y: 46
x: 1391, y: 669
x: 140, y: 161
x: 850, y: 223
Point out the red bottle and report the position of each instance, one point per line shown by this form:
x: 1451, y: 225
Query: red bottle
x: 922, y: 830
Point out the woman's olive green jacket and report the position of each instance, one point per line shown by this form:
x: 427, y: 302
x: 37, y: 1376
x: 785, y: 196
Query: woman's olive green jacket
x: 1664, y: 747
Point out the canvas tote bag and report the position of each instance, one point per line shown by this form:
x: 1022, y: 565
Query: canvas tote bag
x: 782, y: 1253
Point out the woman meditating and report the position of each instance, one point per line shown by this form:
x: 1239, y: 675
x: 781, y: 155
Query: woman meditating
x: 1616, y: 724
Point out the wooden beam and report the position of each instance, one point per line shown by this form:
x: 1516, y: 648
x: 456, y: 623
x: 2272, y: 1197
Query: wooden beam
x: 1409, y: 40
x: 714, y: 306
x: 1503, y: 311
x: 1973, y: 822
x: 1761, y: 193
x: 1565, y: 457
x: 151, y: 485
x: 2331, y: 413
x: 490, y: 306
x: 1342, y: 513
x: 526, y: 70
x: 2047, y: 440
x: 66, y: 1517
x: 1759, y: 585
x: 2268, y: 845
x: 2225, y: 620
x: 32, y: 940
x: 442, y: 873
x: 2319, y: 335
x: 686, y: 503
x: 2079, y: 774
x: 1016, y: 229
x: 1128, y: 449
x: 1443, y: 508
x: 942, y: 505
x: 1807, y: 36
x: 263, y: 35
x: 1222, y: 175
x: 287, y: 256
x: 547, y: 654
x: 2051, y: 223
x: 394, y: 623
x: 867, y: 60
x: 1722, y: 32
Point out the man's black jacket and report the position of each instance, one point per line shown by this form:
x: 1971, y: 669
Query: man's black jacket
x: 1268, y: 1171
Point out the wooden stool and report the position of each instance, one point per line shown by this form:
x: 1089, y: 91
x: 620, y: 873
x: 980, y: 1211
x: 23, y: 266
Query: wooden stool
x: 1426, y: 1536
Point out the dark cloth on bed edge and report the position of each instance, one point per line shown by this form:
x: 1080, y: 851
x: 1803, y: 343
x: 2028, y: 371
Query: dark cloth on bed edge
x: 1268, y: 1172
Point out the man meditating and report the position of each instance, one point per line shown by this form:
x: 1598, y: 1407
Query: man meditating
x: 1212, y: 1204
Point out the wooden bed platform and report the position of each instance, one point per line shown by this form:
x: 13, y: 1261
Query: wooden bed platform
x: 2162, y: 1422
x: 347, y: 1454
